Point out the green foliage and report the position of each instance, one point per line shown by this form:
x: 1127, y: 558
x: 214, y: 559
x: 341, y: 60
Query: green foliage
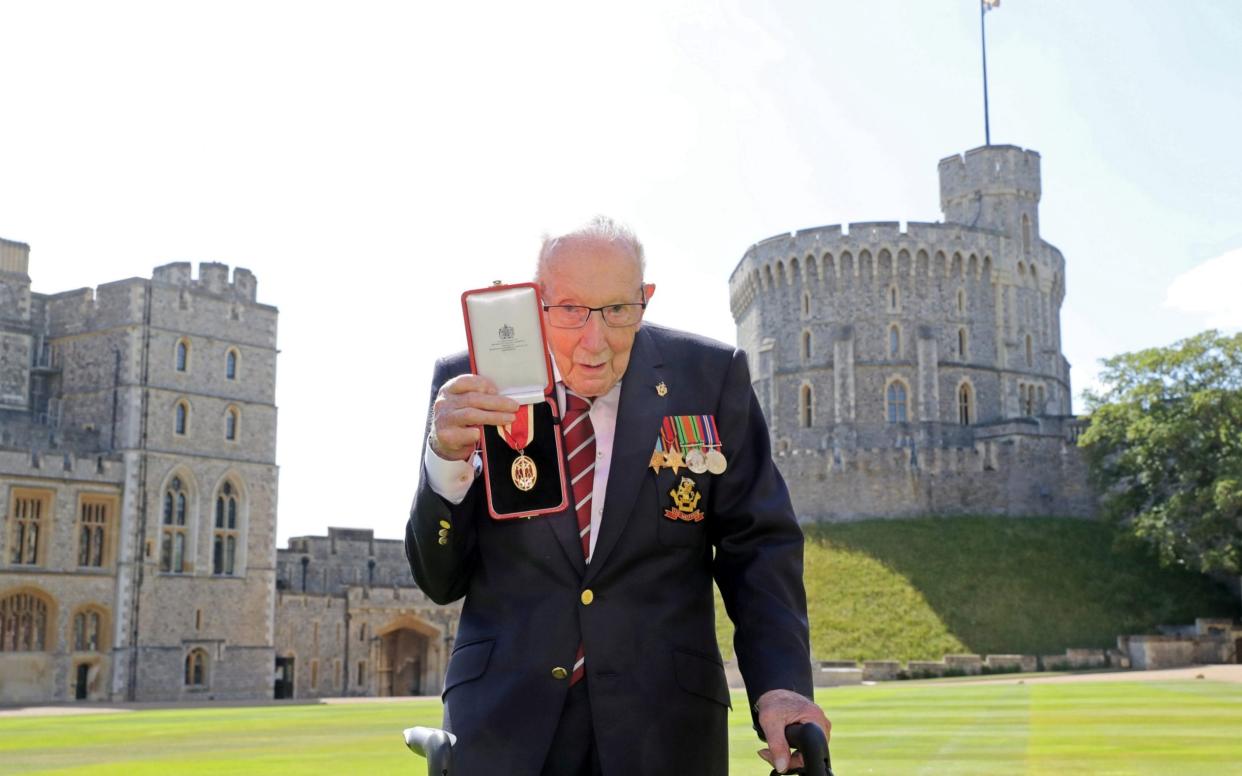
x: 918, y: 589
x: 1165, y: 448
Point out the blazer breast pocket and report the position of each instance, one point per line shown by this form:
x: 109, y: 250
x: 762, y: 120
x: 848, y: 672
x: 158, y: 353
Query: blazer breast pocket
x: 682, y: 500
x: 467, y: 663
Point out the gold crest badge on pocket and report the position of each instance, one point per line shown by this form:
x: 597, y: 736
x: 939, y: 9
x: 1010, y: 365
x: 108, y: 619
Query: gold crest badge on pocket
x: 685, y: 502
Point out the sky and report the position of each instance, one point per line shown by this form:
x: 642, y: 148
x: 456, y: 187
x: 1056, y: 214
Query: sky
x: 370, y: 161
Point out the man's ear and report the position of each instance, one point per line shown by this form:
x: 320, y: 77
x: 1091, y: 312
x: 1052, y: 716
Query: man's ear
x: 648, y: 291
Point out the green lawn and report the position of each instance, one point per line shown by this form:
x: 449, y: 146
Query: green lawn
x: 941, y: 728
x: 925, y: 587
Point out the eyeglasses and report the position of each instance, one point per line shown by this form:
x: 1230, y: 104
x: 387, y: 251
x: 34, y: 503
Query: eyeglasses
x: 575, y: 316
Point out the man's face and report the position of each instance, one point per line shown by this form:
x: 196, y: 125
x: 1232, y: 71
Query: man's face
x: 593, y: 273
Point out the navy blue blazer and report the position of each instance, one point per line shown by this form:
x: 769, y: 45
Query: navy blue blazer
x: 657, y: 687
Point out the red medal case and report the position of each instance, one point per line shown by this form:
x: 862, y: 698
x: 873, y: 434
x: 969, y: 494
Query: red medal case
x: 508, y: 345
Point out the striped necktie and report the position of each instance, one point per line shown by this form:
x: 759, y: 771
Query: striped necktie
x: 580, y: 446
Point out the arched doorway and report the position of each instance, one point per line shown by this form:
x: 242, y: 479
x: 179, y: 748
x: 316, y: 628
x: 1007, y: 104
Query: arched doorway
x: 405, y: 657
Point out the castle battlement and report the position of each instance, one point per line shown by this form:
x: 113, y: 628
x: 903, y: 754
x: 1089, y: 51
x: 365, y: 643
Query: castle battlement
x: 58, y: 465
x: 998, y: 169
x: 14, y: 257
x: 213, y: 278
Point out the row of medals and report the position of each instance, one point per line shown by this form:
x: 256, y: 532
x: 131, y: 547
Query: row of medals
x: 697, y: 460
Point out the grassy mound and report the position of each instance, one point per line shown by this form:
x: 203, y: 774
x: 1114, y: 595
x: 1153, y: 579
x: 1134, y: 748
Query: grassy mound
x: 923, y: 588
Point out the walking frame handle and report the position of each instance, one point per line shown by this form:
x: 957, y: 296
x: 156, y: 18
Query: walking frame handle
x: 809, y: 739
x: 434, y: 744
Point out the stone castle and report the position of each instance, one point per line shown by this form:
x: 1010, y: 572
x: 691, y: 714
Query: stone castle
x: 917, y: 369
x: 138, y: 487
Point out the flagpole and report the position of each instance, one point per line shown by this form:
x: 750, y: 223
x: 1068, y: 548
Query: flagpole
x: 983, y: 38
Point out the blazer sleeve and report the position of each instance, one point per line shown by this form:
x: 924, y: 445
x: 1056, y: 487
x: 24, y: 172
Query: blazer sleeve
x: 442, y: 569
x: 758, y: 560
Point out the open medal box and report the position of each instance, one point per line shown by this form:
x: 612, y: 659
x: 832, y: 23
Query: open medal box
x: 523, y: 464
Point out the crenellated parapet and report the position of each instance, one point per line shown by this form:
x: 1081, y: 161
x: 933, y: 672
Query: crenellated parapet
x: 213, y: 278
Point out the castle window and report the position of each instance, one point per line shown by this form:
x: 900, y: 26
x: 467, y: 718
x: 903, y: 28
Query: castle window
x: 808, y: 406
x: 94, y: 530
x: 173, y: 531
x: 88, y: 630
x: 965, y: 405
x: 314, y: 674
x: 31, y: 516
x: 362, y: 672
x: 183, y: 355
x: 1039, y: 407
x: 894, y: 299
x: 196, y: 668
x: 23, y: 623
x: 224, y: 537
x: 198, y: 619
x: 181, y: 421
x: 962, y: 343
x: 1030, y: 360
x: 1026, y: 235
x: 806, y: 346
x: 231, y: 416
x: 806, y: 305
x: 894, y: 341
x: 961, y: 301
x: 896, y: 402
x: 230, y: 365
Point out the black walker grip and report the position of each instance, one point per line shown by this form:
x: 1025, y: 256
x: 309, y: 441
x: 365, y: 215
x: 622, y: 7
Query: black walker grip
x: 809, y: 739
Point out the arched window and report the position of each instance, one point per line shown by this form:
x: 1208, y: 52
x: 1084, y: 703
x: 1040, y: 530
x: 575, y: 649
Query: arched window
x: 88, y: 630
x: 894, y: 299
x: 231, y: 417
x: 224, y: 542
x: 230, y: 364
x: 173, y: 530
x: 196, y: 668
x: 181, y: 422
x: 894, y: 341
x: 1030, y: 355
x: 808, y: 406
x: 961, y: 301
x: 896, y: 402
x: 23, y: 623
x: 806, y: 346
x: 962, y: 343
x: 965, y: 405
x: 183, y: 355
x: 806, y: 305
x: 30, y: 515
x: 1026, y: 235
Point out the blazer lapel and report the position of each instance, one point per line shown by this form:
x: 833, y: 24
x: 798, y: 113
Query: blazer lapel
x: 638, y: 424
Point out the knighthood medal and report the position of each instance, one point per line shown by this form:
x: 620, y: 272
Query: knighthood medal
x: 519, y: 434
x: 716, y: 462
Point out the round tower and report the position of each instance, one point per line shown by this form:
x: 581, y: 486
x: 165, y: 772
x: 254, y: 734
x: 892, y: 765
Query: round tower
x: 993, y: 187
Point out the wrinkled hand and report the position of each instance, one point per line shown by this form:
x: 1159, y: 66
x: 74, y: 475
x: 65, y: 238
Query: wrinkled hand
x: 778, y: 708
x: 463, y: 405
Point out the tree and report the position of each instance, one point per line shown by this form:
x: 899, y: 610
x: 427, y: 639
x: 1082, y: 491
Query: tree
x: 1164, y: 447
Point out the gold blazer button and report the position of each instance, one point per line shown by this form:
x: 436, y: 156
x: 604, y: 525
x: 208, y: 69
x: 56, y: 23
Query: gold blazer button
x: 587, y: 597
x: 559, y: 673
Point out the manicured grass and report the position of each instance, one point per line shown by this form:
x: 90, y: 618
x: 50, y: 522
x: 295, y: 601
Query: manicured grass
x: 923, y: 588
x: 894, y: 729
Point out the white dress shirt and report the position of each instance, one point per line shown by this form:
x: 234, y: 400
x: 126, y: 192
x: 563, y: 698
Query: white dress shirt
x: 451, y: 480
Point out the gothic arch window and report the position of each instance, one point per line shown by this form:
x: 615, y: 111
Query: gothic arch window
x: 1026, y: 235
x: 24, y: 618
x: 894, y: 341
x: 806, y: 304
x: 232, y: 417
x: 965, y: 404
x: 89, y: 630
x: 196, y: 668
x: 225, y: 533
x: 1030, y: 355
x: 181, y: 418
x: 894, y: 299
x: 806, y: 346
x: 961, y: 301
x: 96, y: 518
x: 183, y: 355
x: 230, y: 364
x: 895, y: 394
x: 30, y: 518
x: 963, y: 343
x: 807, y: 404
x: 174, y: 533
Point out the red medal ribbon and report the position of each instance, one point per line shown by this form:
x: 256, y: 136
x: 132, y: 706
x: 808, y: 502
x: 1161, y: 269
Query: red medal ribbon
x: 521, y: 432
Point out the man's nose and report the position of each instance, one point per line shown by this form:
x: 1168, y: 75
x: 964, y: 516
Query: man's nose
x: 595, y: 331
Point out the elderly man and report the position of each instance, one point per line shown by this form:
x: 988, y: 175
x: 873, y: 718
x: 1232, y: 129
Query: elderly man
x: 587, y: 642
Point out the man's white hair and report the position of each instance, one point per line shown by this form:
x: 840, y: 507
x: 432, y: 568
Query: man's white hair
x: 600, y: 227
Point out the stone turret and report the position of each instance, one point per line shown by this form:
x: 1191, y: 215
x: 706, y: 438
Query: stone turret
x: 993, y: 187
x: 16, y: 338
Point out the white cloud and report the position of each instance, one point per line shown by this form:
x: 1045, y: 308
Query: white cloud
x: 1210, y: 290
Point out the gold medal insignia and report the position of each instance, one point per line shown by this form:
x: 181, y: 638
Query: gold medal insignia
x: 524, y: 473
x: 685, y: 501
x: 518, y: 435
x: 661, y: 389
x: 673, y: 460
x: 657, y: 461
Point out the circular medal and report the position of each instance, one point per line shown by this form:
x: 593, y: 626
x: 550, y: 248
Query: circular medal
x: 716, y: 463
x: 523, y: 472
x: 696, y: 461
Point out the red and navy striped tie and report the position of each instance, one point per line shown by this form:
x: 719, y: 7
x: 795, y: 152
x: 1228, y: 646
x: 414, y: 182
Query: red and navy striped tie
x: 580, y: 445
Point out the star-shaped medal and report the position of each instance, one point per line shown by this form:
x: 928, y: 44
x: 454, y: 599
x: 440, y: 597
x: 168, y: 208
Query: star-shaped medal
x: 673, y: 460
x: 657, y: 460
